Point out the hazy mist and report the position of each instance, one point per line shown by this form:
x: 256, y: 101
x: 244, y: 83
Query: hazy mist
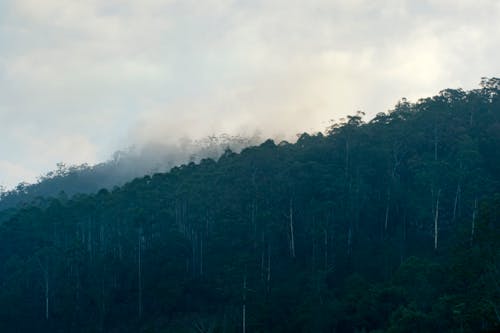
x: 79, y: 80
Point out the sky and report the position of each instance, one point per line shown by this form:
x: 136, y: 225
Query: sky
x: 80, y: 79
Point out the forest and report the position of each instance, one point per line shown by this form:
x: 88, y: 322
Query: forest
x: 387, y: 225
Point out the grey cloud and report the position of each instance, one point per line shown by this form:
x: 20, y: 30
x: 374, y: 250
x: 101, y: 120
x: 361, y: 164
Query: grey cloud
x: 103, y: 75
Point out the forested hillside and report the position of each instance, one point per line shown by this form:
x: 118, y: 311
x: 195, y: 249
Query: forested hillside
x: 386, y: 226
x: 124, y: 166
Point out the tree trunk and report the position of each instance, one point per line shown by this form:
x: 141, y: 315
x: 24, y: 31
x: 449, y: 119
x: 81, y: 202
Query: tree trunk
x: 292, y: 236
x: 386, y: 222
x: 346, y: 168
x: 78, y: 287
x: 436, y: 218
x: 262, y: 256
x: 244, y: 310
x: 349, y: 241
x: 139, y: 273
x: 268, y: 267
x: 457, y: 201
x: 201, y: 254
x: 46, y: 275
x: 473, y: 223
x: 325, y: 232
x: 403, y: 240
x: 435, y: 144
x: 254, y: 225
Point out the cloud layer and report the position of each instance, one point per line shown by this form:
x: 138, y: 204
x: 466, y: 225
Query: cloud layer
x: 80, y: 79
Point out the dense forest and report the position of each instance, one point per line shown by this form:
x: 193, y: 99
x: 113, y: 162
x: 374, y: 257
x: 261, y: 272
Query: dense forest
x: 121, y: 168
x: 390, y: 225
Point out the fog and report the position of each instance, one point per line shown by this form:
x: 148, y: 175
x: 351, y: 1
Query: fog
x: 122, y: 167
x: 82, y: 79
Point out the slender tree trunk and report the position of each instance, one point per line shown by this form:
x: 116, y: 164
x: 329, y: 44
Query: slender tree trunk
x: 457, y: 201
x: 386, y: 222
x: 244, y: 310
x: 314, y: 248
x: 102, y: 309
x: 139, y: 273
x: 46, y: 275
x: 89, y: 240
x: 436, y: 218
x: 254, y: 225
x: 268, y: 267
x: 349, y: 241
x: 78, y: 287
x: 292, y: 236
x: 325, y: 234
x: 346, y: 168
x: 435, y: 144
x: 262, y: 256
x: 201, y: 254
x: 120, y: 247
x: 102, y: 245
x: 193, y: 252
x: 403, y: 239
x: 473, y: 223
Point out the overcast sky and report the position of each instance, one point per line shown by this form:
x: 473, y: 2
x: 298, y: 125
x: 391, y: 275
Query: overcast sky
x: 80, y: 79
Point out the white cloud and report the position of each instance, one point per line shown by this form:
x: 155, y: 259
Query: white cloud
x: 100, y: 75
x: 10, y: 171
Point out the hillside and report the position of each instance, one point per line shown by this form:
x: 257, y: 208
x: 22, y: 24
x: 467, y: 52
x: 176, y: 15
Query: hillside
x: 123, y: 167
x: 386, y: 226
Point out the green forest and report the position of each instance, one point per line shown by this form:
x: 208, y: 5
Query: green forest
x: 383, y: 225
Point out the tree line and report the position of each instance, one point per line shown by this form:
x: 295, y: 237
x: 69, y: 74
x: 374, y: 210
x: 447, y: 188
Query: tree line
x: 390, y: 225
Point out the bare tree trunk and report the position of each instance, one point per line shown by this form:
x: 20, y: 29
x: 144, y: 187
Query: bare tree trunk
x: 346, y: 168
x: 89, y: 240
x: 78, y: 287
x: 139, y: 273
x: 193, y: 252
x: 457, y: 201
x: 102, y: 309
x: 201, y: 254
x: 325, y: 234
x: 292, y: 236
x: 436, y: 218
x: 46, y: 275
x: 262, y: 256
x: 387, y: 209
x: 403, y: 240
x: 254, y: 225
x: 349, y: 241
x: 244, y: 310
x: 314, y: 247
x: 268, y: 267
x: 435, y: 143
x: 473, y: 224
x: 102, y: 244
x: 120, y: 247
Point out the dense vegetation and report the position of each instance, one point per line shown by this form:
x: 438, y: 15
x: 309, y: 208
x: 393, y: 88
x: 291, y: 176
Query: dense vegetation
x: 385, y: 226
x: 124, y: 166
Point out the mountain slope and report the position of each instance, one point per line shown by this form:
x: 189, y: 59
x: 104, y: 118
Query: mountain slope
x: 125, y: 166
x: 391, y: 225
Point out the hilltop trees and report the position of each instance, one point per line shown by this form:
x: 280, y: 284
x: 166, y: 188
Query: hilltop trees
x: 388, y: 225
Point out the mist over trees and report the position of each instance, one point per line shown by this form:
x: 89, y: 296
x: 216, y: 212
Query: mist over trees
x: 125, y: 165
x: 391, y: 225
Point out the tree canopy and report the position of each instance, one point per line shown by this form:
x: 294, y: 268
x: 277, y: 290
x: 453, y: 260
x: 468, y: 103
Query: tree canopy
x: 387, y: 225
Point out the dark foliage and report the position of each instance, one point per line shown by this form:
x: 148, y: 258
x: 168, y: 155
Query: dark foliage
x: 386, y: 226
